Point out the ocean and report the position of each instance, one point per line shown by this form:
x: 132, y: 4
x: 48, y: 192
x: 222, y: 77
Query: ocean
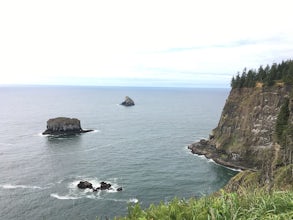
x: 142, y: 149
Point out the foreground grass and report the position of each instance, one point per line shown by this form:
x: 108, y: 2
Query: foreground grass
x: 256, y: 204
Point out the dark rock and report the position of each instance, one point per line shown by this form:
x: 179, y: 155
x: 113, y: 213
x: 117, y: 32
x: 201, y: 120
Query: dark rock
x: 209, y: 150
x: 127, y: 102
x: 119, y: 189
x: 84, y: 185
x: 64, y: 126
x: 204, y: 142
x: 105, y: 186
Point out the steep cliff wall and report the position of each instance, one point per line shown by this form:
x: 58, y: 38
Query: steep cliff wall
x: 247, y: 124
x: 246, y: 133
x: 248, y: 118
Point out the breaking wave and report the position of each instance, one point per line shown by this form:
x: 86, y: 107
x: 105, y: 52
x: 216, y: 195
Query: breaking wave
x: 10, y: 186
x: 55, y: 195
x: 73, y: 192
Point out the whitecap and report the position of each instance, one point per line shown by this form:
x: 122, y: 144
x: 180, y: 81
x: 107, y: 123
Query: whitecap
x: 9, y: 186
x: 133, y: 200
x: 200, y: 156
x: 234, y: 169
x: 91, y: 197
x: 42, y: 135
x: 66, y: 197
x: 73, y: 185
x: 230, y: 168
x: 211, y: 161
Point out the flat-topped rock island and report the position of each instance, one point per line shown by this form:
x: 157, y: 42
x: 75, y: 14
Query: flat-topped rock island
x: 64, y: 126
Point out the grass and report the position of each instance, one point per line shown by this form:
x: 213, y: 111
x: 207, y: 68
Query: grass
x: 257, y: 204
x: 242, y: 198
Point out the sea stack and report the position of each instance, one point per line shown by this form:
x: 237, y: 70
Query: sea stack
x: 127, y: 102
x: 64, y: 126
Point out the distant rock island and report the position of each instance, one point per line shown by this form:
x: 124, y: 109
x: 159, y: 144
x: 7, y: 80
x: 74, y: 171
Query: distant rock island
x: 127, y: 102
x: 64, y: 126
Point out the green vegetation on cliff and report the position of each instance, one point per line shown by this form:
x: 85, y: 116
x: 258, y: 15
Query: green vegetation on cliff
x: 282, y: 122
x: 284, y: 133
x: 268, y: 76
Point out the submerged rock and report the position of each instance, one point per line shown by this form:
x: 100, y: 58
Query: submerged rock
x: 64, y: 126
x: 127, y: 102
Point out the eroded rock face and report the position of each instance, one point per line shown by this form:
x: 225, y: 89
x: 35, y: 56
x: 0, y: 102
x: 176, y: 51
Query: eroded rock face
x: 245, y: 133
x: 127, y: 102
x: 63, y: 125
x: 249, y: 118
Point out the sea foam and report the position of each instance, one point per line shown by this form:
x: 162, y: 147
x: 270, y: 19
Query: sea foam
x: 67, y: 197
x: 10, y: 186
x: 133, y: 200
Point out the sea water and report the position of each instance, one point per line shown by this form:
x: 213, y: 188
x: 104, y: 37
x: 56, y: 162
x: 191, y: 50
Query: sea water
x: 142, y: 149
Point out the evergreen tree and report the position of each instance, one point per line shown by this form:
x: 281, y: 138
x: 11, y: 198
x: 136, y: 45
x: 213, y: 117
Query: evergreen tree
x: 282, y: 120
x: 282, y: 72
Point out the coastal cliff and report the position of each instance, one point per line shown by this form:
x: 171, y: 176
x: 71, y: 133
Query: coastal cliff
x: 255, y: 130
x: 247, y: 127
x: 255, y: 134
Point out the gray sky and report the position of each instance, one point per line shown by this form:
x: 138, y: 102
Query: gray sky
x: 140, y: 43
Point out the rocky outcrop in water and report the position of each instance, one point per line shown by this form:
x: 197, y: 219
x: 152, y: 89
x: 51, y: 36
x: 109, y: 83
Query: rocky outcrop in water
x: 127, y: 102
x: 84, y: 185
x: 64, y: 126
x: 103, y: 186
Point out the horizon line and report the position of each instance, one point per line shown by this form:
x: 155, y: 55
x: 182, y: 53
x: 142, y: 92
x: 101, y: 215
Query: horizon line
x: 120, y: 86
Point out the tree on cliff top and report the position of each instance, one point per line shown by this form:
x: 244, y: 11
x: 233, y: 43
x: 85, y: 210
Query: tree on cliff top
x: 268, y: 76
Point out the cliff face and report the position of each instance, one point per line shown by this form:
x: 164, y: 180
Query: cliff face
x: 248, y: 121
x: 248, y: 118
x: 246, y: 133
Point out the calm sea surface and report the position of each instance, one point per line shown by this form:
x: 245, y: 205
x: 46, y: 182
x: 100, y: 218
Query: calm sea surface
x: 142, y: 149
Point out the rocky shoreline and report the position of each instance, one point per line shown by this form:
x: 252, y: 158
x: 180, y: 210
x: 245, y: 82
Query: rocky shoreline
x: 206, y: 148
